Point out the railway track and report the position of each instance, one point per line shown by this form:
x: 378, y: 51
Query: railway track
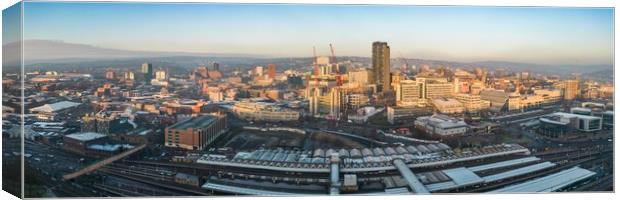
x: 149, y: 181
x: 561, y: 166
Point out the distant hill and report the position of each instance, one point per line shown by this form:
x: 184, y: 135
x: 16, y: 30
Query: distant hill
x: 568, y: 68
x: 50, y: 51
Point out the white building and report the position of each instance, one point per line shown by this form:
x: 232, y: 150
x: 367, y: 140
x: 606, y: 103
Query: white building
x: 161, y: 75
x: 408, y: 93
x: 258, y: 71
x: 472, y: 103
x: 442, y: 125
x: 580, y: 122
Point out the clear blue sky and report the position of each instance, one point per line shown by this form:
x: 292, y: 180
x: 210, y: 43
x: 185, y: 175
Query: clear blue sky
x: 537, y: 35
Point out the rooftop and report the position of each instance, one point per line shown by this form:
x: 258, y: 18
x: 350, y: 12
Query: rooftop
x: 195, y: 122
x: 55, y: 106
x: 581, y: 109
x: 552, y: 121
x: 570, y: 115
x: 86, y: 136
x: 443, y: 121
x: 446, y: 102
x: 110, y: 147
x: 549, y: 183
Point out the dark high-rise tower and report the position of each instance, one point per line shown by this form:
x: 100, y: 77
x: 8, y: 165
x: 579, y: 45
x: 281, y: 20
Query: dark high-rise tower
x: 147, y: 70
x: 381, y: 65
x: 216, y: 66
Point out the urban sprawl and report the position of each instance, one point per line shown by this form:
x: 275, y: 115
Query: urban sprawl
x: 334, y: 126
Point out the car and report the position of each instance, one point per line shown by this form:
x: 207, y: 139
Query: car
x: 610, y: 140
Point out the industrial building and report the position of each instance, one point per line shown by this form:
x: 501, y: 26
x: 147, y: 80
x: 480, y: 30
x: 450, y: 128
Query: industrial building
x: 48, y: 112
x: 94, y: 144
x: 78, y: 142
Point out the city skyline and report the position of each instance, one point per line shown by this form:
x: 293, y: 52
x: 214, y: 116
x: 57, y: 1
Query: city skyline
x: 542, y: 35
x: 141, y: 100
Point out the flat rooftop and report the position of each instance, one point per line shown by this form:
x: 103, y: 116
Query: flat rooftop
x: 549, y: 183
x: 571, y: 115
x: 86, y: 136
x: 195, y: 122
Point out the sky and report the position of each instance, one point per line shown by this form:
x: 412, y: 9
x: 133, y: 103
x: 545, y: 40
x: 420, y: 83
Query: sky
x: 551, y: 35
x: 11, y: 24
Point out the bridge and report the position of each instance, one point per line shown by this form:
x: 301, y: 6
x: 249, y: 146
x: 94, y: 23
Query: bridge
x: 101, y: 163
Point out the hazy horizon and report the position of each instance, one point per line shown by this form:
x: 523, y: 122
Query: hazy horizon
x: 540, y: 35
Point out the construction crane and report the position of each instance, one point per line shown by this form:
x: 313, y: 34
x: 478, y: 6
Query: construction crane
x: 335, y: 62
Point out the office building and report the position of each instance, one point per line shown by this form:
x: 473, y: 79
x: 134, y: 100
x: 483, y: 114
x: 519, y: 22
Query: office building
x: 355, y: 101
x: 360, y: 77
x: 161, y: 75
x: 327, y: 102
x: 571, y: 89
x: 381, y: 65
x: 579, y: 122
x: 518, y: 102
x: 435, y: 87
x: 258, y: 71
x: 476, y: 87
x: 271, y: 70
x: 147, y: 71
x: 498, y: 99
x: 472, y: 103
x: 421, y: 91
x: 409, y: 93
x: 109, y: 74
x: 549, y: 96
x: 129, y: 76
